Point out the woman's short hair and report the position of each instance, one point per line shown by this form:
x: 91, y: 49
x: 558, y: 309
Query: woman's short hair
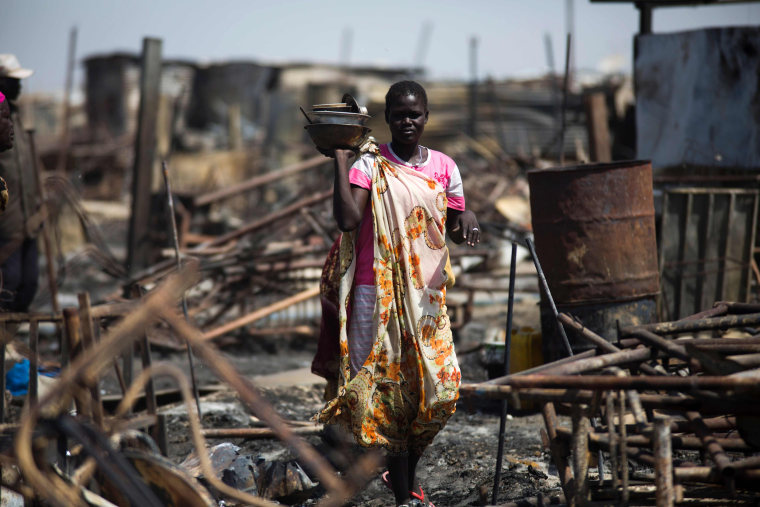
x: 402, y: 89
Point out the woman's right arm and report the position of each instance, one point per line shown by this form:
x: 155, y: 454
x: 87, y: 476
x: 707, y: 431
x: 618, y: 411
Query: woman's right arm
x: 348, y: 201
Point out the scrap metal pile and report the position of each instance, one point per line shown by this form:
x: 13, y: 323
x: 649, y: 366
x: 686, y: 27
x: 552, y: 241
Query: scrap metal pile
x: 666, y: 413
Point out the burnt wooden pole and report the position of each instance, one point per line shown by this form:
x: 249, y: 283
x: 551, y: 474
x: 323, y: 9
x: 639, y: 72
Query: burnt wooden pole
x: 473, y: 89
x: 138, y: 241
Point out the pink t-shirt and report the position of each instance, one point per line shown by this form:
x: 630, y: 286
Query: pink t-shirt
x: 437, y: 166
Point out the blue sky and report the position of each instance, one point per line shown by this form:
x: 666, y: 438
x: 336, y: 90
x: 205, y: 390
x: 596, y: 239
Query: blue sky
x: 510, y: 32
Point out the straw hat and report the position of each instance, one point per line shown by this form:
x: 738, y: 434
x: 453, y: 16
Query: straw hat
x: 11, y: 67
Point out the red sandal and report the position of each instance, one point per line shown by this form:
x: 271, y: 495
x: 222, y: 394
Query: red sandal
x: 419, y: 496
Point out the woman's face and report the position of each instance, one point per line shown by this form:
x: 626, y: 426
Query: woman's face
x: 406, y: 119
x: 6, y: 127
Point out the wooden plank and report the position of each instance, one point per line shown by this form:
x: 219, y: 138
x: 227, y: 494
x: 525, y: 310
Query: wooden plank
x: 598, y: 128
x: 138, y: 244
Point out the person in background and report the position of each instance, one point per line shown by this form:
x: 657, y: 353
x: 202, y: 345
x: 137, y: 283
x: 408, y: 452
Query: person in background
x: 6, y: 143
x: 21, y: 220
x: 398, y: 378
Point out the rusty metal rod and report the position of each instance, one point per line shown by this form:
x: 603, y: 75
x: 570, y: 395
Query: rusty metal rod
x: 175, y: 242
x: 547, y: 367
x: 559, y: 450
x: 548, y: 294
x: 597, y: 340
x: 726, y: 322
x: 641, y: 382
x: 711, y: 445
x: 507, y: 349
x: 590, y: 363
x: 661, y: 343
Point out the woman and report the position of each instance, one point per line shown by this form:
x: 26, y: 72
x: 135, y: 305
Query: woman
x: 398, y: 375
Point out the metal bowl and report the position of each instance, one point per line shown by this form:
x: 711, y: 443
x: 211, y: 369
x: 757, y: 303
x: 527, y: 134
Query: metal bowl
x: 339, y: 117
x: 329, y: 136
x: 339, y: 107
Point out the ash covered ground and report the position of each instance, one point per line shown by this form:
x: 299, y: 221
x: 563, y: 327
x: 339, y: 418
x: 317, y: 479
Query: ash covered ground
x: 457, y: 470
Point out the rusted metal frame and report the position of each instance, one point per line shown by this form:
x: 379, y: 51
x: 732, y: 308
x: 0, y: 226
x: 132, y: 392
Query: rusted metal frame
x: 559, y: 451
x: 597, y: 340
x: 258, y: 181
x: 713, y: 448
x: 88, y: 341
x: 548, y: 294
x: 678, y: 327
x: 258, y: 405
x: 84, y: 370
x: 269, y: 219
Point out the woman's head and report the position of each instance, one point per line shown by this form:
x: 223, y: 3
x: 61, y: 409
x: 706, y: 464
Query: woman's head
x: 406, y: 111
x: 6, y: 125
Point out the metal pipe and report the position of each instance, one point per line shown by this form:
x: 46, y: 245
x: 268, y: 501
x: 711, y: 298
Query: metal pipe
x: 711, y: 445
x: 597, y: 340
x: 642, y: 382
x: 688, y: 326
x: 175, y: 241
x: 507, y: 349
x: 548, y: 294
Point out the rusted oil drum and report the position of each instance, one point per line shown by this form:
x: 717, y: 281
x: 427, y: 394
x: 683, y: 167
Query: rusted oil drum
x: 594, y: 231
x: 595, y: 237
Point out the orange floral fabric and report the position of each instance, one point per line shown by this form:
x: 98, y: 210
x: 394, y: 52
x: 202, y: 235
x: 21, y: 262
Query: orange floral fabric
x: 408, y: 387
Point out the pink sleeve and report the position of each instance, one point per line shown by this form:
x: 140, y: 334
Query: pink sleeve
x: 456, y: 202
x: 360, y: 173
x: 358, y: 178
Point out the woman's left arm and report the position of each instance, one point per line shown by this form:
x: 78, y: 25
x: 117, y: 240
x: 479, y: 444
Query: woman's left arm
x: 462, y: 226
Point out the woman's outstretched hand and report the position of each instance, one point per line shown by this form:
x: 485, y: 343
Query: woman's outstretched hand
x: 463, y: 227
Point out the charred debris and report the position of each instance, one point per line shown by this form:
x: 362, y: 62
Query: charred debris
x: 645, y: 274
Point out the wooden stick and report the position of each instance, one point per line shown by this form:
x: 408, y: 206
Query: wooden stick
x: 261, y: 313
x: 257, y: 181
